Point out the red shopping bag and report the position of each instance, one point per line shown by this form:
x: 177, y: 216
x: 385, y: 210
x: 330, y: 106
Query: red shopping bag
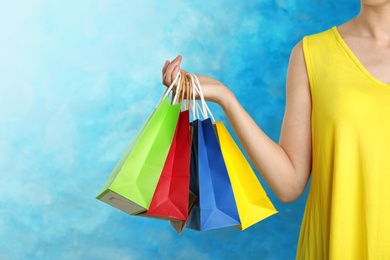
x: 170, y: 199
x: 179, y: 225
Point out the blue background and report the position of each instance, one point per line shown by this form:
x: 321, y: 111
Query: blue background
x: 77, y: 80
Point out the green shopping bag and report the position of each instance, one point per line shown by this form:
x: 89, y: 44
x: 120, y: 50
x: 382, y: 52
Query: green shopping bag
x: 132, y: 182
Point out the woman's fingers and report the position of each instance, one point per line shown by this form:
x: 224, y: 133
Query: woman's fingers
x: 165, y: 67
x: 170, y: 70
x: 174, y: 72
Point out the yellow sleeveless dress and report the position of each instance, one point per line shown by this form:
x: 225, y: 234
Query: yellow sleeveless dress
x: 347, y: 214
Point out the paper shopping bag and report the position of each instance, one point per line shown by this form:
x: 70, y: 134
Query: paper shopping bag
x: 252, y: 201
x: 179, y: 225
x: 170, y: 199
x: 131, y: 185
x: 215, y: 207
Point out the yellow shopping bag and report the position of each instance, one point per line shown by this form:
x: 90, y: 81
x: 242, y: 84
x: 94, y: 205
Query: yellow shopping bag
x: 252, y: 202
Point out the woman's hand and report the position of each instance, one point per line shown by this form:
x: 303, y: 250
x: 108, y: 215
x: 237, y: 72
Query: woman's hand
x: 170, y: 70
x: 213, y: 90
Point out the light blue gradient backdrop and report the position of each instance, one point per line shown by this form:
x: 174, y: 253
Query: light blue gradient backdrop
x: 77, y: 80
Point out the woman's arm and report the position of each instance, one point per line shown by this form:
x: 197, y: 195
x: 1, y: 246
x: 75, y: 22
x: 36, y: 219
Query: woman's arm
x: 285, y: 166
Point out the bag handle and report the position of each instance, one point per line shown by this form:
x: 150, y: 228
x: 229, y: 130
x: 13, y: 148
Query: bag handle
x: 188, y: 93
x: 195, y: 106
x: 177, y: 80
x: 184, y: 91
x: 204, y: 109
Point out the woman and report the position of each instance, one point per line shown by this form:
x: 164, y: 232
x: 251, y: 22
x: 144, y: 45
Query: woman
x: 337, y: 127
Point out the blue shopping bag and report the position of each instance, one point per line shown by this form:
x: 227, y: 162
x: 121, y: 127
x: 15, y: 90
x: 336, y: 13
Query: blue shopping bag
x: 209, y: 181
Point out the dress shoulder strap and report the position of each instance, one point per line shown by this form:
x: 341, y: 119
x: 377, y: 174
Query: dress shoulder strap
x: 318, y: 49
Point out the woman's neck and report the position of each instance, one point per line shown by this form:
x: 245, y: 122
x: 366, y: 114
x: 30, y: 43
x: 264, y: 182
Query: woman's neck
x: 374, y: 21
